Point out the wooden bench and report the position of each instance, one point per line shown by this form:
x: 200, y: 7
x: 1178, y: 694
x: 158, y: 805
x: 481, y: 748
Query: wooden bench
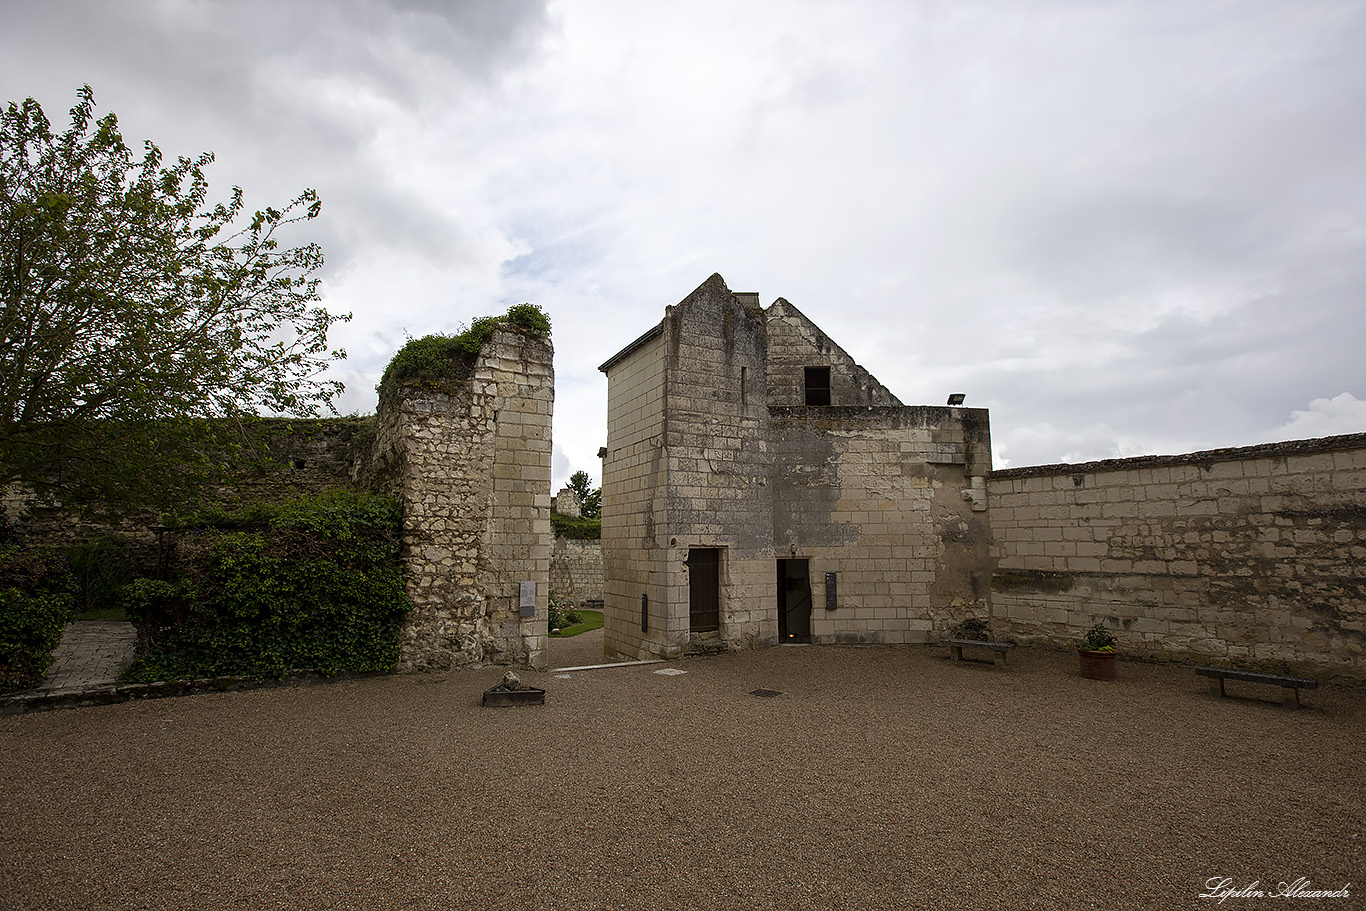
x: 1001, y: 649
x: 1290, y: 686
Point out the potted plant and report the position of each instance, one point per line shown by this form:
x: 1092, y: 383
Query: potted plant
x: 1097, y: 653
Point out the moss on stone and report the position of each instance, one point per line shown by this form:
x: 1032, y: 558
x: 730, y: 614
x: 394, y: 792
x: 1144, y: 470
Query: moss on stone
x: 438, y: 361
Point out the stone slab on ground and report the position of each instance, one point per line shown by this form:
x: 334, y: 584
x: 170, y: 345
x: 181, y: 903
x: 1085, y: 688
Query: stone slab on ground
x: 92, y: 653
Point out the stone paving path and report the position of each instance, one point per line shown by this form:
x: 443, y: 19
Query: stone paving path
x: 92, y: 653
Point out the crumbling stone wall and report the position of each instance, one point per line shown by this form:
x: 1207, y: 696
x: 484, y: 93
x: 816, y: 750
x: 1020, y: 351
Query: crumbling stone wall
x: 472, y: 470
x: 1256, y: 555
x: 302, y: 457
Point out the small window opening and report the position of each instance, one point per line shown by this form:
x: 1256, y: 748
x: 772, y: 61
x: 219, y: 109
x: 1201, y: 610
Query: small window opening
x: 818, y: 385
x: 744, y: 397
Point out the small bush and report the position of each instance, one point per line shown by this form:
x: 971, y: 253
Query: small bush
x: 37, y: 592
x: 306, y: 585
x: 575, y: 528
x: 1097, y: 639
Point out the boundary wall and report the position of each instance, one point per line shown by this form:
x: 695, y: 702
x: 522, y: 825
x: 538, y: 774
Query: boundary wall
x: 1255, y: 556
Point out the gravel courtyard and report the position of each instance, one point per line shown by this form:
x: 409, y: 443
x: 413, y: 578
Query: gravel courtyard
x: 878, y: 779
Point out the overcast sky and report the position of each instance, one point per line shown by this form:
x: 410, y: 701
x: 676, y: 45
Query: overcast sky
x: 1127, y: 227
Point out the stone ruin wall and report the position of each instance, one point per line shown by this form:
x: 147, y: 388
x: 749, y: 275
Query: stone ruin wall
x: 472, y: 471
x: 1254, y: 555
x: 575, y: 563
x: 576, y: 571
x: 307, y: 457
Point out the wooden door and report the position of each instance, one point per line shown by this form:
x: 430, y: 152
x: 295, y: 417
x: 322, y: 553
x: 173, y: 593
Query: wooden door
x: 704, y: 589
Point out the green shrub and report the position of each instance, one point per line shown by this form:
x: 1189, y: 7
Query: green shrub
x: 102, y: 567
x: 36, y: 597
x: 305, y: 585
x: 575, y: 528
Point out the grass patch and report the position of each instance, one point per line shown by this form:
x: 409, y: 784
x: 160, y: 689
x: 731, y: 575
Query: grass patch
x: 592, y: 619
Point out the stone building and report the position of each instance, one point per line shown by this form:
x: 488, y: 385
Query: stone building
x: 759, y: 486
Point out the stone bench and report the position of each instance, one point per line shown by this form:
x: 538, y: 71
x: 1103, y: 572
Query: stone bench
x: 1001, y: 649
x: 1290, y: 686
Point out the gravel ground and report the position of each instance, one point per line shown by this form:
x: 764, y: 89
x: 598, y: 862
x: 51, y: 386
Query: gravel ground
x: 879, y: 778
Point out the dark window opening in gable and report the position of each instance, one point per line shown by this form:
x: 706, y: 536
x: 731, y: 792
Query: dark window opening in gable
x: 818, y: 385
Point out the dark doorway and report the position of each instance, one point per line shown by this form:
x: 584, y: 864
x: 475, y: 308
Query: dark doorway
x: 794, y: 601
x: 704, y: 589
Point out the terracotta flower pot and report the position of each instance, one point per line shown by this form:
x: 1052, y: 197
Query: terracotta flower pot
x: 1098, y: 665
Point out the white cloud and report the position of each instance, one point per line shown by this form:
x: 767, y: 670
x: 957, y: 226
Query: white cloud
x: 1125, y: 227
x: 1343, y: 413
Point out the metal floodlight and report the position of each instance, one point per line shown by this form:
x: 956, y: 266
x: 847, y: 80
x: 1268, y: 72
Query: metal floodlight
x: 956, y: 398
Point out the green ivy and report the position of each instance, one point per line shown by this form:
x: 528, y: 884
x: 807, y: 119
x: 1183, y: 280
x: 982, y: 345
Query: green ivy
x: 434, y: 361
x: 37, y: 593
x: 312, y: 584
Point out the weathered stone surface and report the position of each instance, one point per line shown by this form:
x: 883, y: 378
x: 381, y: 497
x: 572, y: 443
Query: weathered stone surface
x: 711, y: 445
x: 1251, y: 554
x: 576, y: 570
x: 472, y: 470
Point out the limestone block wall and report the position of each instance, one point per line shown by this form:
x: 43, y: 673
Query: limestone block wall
x: 718, y: 464
x: 1256, y: 555
x: 576, y: 570
x: 633, y: 503
x: 472, y: 470
x: 886, y: 499
x: 795, y: 343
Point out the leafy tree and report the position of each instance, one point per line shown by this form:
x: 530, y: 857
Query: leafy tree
x: 133, y: 312
x: 590, y: 500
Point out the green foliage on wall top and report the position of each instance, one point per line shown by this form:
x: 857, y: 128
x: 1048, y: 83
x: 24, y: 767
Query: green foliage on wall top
x: 313, y: 584
x: 575, y: 528
x: 433, y: 361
